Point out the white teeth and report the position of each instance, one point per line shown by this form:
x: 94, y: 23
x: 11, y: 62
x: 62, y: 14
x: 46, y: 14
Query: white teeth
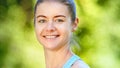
x: 50, y: 37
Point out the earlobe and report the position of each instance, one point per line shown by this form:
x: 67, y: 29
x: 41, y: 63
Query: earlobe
x: 75, y: 24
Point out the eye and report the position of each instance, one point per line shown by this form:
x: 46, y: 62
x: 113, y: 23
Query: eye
x: 59, y: 20
x: 42, y: 21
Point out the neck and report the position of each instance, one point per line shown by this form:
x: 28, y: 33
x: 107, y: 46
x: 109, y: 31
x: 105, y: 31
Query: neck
x: 57, y: 58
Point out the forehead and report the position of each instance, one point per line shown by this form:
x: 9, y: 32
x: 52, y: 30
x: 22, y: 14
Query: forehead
x: 52, y: 8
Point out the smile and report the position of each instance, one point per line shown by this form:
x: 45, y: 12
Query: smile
x: 51, y: 36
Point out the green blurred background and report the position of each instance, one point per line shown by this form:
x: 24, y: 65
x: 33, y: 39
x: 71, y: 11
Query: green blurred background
x: 98, y: 35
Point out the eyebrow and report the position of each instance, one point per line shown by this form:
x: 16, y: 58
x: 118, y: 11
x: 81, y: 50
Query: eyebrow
x: 41, y: 16
x: 59, y: 16
x: 54, y: 16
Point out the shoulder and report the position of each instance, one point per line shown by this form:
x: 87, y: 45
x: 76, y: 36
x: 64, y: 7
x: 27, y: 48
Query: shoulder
x: 80, y: 64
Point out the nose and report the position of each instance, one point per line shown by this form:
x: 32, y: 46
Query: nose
x: 50, y: 27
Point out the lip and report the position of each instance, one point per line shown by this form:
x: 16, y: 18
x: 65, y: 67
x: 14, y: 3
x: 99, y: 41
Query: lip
x: 50, y: 36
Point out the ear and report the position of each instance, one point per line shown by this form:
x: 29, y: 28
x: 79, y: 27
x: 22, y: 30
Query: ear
x: 75, y: 24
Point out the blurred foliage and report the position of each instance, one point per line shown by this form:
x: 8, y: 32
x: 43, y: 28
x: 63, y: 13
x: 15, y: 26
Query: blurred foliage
x: 97, y: 34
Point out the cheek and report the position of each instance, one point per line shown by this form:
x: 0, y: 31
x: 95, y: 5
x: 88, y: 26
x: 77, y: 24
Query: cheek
x: 66, y: 29
x: 38, y: 30
x: 39, y: 27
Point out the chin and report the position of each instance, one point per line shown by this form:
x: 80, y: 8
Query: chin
x: 51, y: 47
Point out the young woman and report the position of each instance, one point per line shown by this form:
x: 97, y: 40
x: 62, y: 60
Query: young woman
x: 55, y: 20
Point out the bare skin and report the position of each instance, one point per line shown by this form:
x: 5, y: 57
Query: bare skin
x: 53, y: 31
x: 56, y: 59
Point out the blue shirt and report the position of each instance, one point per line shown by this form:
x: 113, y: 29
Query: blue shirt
x: 72, y: 60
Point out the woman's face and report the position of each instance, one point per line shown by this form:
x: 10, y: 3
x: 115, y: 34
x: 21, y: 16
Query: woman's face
x: 53, y: 25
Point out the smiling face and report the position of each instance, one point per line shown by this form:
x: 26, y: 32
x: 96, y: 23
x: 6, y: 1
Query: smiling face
x: 53, y: 25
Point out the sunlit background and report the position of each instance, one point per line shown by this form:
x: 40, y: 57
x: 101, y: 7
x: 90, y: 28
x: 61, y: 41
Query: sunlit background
x: 98, y: 35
